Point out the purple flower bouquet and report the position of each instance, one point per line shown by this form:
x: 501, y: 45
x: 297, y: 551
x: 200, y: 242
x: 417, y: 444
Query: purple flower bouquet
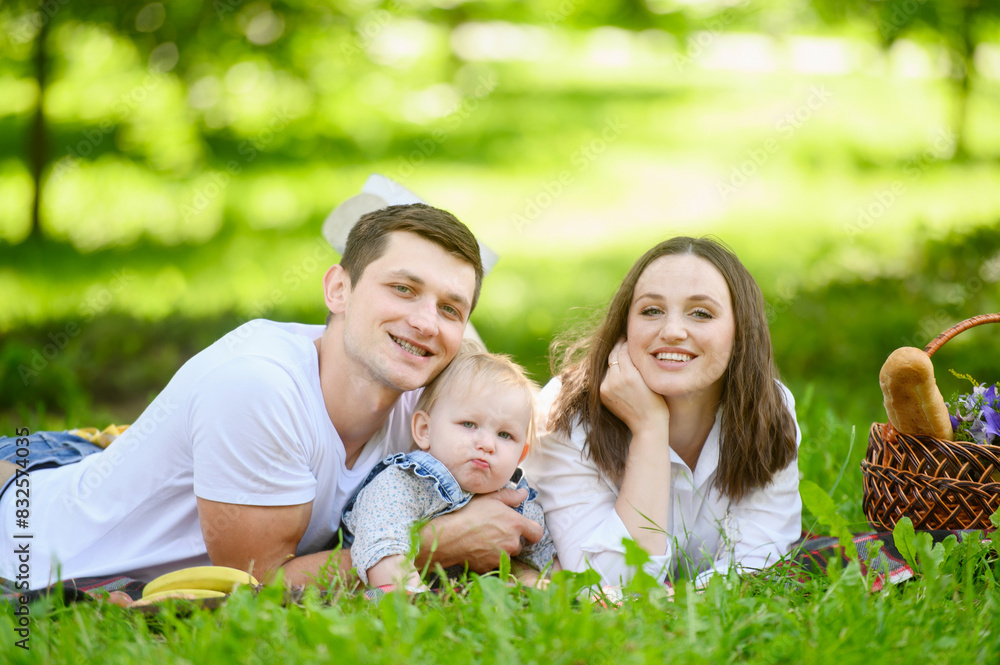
x: 976, y: 417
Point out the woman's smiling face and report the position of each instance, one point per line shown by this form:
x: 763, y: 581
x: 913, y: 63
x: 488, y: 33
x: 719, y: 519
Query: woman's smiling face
x: 681, y: 327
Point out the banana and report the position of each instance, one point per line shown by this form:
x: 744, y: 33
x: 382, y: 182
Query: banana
x: 211, y: 578
x: 178, y: 594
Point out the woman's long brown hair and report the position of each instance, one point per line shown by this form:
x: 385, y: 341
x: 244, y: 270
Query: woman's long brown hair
x: 758, y: 432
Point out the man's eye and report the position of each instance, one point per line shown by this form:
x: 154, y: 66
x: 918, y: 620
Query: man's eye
x: 402, y: 288
x: 451, y: 311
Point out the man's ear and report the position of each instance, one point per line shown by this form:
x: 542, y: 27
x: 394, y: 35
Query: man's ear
x: 336, y: 286
x: 420, y: 428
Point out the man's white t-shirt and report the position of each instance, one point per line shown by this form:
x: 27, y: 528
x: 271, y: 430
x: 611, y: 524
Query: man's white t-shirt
x: 242, y: 422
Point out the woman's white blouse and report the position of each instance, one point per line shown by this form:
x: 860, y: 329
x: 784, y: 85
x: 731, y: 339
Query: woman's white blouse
x: 708, y: 532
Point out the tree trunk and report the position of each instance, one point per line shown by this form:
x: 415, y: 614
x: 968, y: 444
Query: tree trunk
x: 37, y: 146
x: 966, y: 50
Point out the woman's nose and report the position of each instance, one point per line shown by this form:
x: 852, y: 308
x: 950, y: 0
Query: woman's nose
x: 674, y: 328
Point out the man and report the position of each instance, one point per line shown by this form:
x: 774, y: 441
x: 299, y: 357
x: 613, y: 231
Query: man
x: 249, y: 454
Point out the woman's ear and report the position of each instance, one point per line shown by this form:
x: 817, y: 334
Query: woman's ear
x: 336, y: 286
x: 420, y: 428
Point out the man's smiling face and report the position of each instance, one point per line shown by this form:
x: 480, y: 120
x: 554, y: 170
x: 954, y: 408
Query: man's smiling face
x: 405, y: 317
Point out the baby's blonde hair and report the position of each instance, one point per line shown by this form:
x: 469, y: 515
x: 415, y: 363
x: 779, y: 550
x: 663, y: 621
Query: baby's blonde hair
x: 474, y: 365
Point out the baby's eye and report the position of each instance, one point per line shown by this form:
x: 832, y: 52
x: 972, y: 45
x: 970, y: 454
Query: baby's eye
x: 505, y: 435
x: 468, y: 424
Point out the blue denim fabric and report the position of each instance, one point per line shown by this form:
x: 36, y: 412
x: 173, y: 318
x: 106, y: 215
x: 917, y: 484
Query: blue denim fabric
x: 425, y: 465
x: 46, y: 450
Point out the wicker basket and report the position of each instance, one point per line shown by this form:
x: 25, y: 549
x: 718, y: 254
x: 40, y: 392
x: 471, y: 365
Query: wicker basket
x: 937, y: 484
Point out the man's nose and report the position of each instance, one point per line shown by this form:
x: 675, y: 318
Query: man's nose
x: 424, y: 318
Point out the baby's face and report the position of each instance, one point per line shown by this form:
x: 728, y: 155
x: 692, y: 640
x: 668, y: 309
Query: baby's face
x: 479, y: 433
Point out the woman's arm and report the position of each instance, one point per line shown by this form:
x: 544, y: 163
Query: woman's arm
x: 580, y: 505
x: 580, y: 510
x: 643, y: 502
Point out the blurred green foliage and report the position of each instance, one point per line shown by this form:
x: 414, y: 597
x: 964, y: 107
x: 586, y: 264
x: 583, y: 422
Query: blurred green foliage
x: 183, y: 156
x: 834, y: 335
x: 167, y: 122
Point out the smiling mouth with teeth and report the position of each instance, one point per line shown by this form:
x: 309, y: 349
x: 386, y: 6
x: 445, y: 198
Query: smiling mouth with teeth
x: 678, y: 357
x: 409, y: 347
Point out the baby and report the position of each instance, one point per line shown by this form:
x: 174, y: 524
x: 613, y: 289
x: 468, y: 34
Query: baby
x: 473, y: 425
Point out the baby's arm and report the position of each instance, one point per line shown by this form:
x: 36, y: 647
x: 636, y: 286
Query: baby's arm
x: 534, y: 557
x: 381, y: 520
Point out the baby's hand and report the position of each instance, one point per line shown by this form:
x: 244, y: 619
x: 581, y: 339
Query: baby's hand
x: 397, y: 571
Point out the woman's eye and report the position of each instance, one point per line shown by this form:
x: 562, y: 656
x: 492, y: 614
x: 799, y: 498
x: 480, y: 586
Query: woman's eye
x: 651, y: 311
x: 702, y: 314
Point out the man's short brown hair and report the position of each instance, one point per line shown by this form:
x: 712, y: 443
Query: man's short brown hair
x: 367, y: 240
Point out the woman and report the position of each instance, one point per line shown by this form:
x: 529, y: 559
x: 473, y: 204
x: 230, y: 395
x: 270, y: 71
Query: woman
x: 667, y: 425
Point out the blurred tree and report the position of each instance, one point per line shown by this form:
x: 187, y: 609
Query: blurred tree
x: 956, y: 25
x: 37, y: 149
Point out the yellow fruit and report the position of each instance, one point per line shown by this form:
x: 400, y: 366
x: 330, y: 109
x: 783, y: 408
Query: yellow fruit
x: 179, y: 594
x: 211, y: 578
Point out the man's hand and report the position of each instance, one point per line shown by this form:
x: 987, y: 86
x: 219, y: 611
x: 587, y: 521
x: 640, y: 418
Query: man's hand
x: 477, y: 533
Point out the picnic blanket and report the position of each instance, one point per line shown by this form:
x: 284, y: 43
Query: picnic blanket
x: 812, y: 555
x: 74, y: 590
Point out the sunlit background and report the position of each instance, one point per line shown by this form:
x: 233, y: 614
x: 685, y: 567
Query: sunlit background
x: 165, y: 168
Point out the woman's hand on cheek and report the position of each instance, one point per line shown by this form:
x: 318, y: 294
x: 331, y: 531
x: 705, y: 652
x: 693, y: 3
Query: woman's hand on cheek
x: 627, y: 396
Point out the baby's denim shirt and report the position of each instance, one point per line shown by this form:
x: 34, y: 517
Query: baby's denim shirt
x: 407, y: 488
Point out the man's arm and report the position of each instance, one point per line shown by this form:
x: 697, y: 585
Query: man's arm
x: 478, y: 532
x: 261, y: 539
